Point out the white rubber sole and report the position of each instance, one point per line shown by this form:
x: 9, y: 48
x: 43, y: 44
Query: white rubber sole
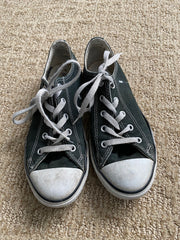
x: 119, y: 194
x: 67, y: 201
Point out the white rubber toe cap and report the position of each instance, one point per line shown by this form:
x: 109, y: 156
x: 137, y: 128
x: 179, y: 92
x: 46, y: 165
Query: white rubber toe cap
x: 56, y: 184
x: 129, y: 175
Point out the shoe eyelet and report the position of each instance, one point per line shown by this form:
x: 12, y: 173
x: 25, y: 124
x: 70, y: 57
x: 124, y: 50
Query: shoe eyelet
x: 73, y: 148
x: 103, y: 144
x: 39, y: 152
x: 103, y: 128
x: 69, y: 131
x: 102, y: 113
x: 101, y: 84
x: 63, y: 100
x: 112, y: 85
x: 66, y: 116
x: 120, y: 81
x: 131, y: 127
x: 139, y: 140
x: 44, y: 136
x: 101, y: 98
x: 123, y: 112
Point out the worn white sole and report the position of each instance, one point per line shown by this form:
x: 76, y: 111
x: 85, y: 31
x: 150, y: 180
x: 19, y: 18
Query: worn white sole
x: 66, y: 202
x: 119, y: 194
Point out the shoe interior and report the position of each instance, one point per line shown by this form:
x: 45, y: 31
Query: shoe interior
x: 60, y: 53
x: 94, y: 55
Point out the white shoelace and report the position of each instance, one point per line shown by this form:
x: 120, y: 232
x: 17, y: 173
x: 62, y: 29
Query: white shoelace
x: 88, y: 102
x: 37, y: 104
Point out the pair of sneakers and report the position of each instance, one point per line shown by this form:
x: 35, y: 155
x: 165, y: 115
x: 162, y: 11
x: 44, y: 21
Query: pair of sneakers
x: 121, y: 144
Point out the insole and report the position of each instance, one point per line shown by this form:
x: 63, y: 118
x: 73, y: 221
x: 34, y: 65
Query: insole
x: 56, y: 67
x: 94, y: 66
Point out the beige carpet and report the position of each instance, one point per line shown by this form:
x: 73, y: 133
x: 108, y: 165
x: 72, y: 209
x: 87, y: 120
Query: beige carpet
x: 147, y: 34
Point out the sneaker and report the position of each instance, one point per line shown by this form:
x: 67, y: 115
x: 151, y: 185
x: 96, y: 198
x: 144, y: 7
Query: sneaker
x: 56, y: 156
x: 122, y: 147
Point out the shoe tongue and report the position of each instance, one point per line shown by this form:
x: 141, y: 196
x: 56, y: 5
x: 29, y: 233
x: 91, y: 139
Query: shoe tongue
x: 56, y: 98
x: 66, y: 75
x: 59, y: 81
x: 105, y: 90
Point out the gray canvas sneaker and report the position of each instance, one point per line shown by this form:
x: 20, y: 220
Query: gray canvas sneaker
x: 122, y: 147
x: 56, y: 156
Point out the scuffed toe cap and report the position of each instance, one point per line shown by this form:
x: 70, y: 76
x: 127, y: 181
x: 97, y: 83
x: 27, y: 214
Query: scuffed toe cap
x: 56, y: 184
x: 130, y: 175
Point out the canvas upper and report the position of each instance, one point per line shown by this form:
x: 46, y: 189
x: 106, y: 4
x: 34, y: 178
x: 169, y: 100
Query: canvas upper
x: 56, y: 163
x: 128, y: 164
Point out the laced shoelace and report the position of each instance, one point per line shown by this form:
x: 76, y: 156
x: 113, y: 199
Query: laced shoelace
x: 88, y: 102
x: 39, y: 102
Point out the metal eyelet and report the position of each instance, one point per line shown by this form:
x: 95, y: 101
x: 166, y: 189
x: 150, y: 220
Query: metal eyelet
x: 120, y: 81
x: 123, y: 112
x: 131, y: 127
x: 101, y: 98
x: 73, y: 148
x: 139, y: 140
x: 66, y: 116
x: 44, y: 136
x: 101, y: 84
x: 69, y: 131
x: 103, y: 144
x: 39, y: 152
x: 63, y: 100
x: 102, y: 113
x: 112, y: 85
x: 103, y: 128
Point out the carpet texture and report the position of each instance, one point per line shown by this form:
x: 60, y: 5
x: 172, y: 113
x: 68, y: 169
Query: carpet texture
x: 147, y: 34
